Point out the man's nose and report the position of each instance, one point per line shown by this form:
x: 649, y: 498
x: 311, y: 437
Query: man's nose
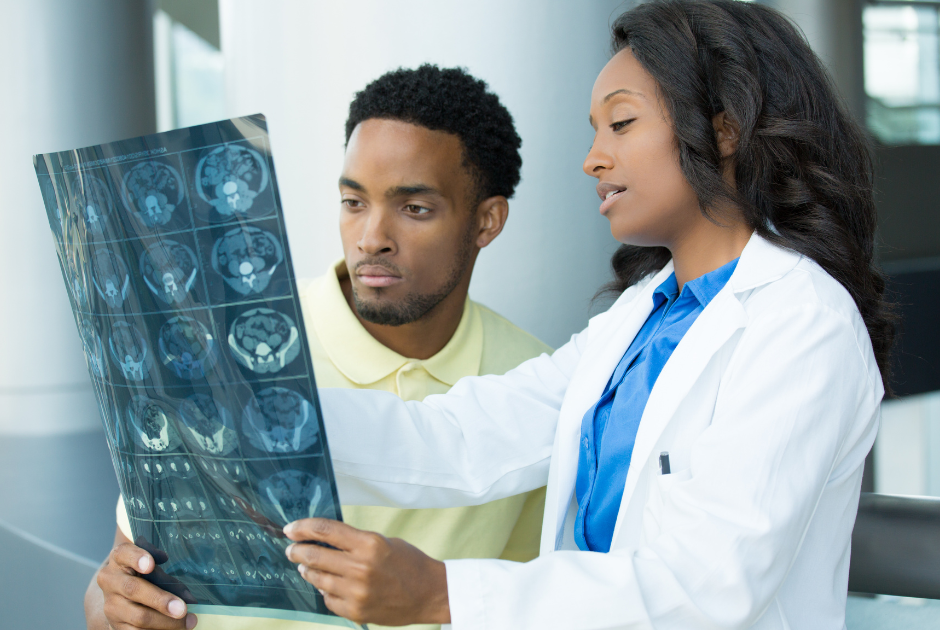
x: 376, y: 237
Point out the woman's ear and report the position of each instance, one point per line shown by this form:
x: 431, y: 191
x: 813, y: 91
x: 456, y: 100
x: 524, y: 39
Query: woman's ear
x: 727, y: 134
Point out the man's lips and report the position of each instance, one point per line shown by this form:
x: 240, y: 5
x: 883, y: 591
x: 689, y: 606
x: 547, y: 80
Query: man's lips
x: 377, y: 277
x: 609, y: 193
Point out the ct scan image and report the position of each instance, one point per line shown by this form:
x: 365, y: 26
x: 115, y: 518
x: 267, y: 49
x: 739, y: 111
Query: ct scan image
x: 110, y: 277
x: 280, y: 420
x: 93, y: 201
x: 168, y: 275
x: 231, y: 181
x: 245, y: 262
x: 176, y: 262
x: 152, y: 424
x: 186, y: 347
x: 263, y: 340
x: 129, y: 350
x: 153, y: 194
x: 94, y: 349
x: 207, y: 426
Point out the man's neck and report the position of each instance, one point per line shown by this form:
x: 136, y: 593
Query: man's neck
x: 421, y: 339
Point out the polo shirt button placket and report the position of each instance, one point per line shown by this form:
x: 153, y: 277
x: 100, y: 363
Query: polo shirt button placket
x: 403, y: 372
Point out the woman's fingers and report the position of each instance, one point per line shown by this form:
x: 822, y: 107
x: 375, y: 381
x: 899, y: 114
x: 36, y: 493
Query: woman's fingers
x: 335, y: 533
x: 335, y: 591
x: 367, y: 577
x: 318, y: 557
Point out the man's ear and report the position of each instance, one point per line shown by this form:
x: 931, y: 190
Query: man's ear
x: 727, y: 134
x: 491, y: 217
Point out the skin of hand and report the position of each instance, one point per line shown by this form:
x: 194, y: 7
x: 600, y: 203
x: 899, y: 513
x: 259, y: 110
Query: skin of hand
x: 119, y: 598
x: 368, y: 578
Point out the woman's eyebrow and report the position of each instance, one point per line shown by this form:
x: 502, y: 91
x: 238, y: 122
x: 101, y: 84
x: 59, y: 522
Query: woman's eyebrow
x: 624, y: 91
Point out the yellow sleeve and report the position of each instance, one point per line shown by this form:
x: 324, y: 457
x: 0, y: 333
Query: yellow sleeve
x: 524, y: 540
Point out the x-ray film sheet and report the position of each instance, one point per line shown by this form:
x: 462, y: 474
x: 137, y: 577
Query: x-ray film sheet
x: 176, y: 263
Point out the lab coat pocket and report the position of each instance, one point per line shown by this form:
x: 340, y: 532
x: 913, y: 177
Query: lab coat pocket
x: 660, y: 487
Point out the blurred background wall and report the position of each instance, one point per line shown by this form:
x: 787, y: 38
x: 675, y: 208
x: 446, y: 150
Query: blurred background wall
x: 73, y: 74
x: 82, y: 73
x: 540, y: 58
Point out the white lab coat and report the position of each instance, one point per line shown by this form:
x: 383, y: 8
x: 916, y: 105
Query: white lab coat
x: 767, y: 409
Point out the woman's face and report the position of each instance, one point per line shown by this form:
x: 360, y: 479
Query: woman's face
x: 634, y: 156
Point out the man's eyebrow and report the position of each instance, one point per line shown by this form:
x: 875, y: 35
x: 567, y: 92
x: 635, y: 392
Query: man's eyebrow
x: 350, y: 183
x: 415, y: 189
x: 623, y: 91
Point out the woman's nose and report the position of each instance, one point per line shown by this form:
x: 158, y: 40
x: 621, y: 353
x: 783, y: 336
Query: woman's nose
x: 597, y: 160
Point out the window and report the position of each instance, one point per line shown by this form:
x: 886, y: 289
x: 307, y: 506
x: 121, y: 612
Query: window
x: 189, y: 76
x: 902, y: 71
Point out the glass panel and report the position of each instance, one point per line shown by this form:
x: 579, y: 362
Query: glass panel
x: 902, y: 72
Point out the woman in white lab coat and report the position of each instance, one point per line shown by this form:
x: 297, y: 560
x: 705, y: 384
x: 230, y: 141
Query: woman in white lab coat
x: 717, y: 489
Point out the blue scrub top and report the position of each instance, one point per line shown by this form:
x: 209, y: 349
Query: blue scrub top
x: 608, y: 430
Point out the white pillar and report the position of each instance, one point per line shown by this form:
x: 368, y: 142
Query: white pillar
x: 301, y: 62
x: 73, y: 74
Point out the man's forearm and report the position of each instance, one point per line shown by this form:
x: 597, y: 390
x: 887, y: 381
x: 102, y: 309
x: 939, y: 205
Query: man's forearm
x: 94, y: 605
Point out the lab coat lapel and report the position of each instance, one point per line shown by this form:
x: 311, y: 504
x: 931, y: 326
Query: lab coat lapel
x: 760, y: 262
x: 610, y: 335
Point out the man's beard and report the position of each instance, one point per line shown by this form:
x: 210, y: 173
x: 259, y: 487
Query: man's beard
x: 414, y: 306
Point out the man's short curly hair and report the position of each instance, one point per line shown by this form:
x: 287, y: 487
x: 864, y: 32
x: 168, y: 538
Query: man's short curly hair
x: 453, y: 101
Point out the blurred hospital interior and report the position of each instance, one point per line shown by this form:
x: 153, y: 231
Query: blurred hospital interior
x: 83, y: 72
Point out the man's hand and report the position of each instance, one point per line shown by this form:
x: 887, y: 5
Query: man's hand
x: 133, y: 603
x: 368, y: 578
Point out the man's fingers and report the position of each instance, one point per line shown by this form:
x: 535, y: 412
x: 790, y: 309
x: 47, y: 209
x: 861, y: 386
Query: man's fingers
x: 130, y: 556
x: 139, y: 591
x: 127, y: 615
x: 335, y: 533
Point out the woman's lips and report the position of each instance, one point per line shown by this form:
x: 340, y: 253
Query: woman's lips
x: 609, y: 201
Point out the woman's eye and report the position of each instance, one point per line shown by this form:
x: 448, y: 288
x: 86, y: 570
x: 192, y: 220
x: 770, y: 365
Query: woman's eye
x: 413, y: 209
x: 617, y: 126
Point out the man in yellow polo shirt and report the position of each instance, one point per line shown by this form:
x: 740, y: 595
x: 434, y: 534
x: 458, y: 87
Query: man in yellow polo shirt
x: 431, y: 159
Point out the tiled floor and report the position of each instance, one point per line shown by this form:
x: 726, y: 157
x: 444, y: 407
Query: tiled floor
x: 57, y: 497
x: 61, y: 489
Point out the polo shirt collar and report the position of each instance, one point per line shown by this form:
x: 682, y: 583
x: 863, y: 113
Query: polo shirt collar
x: 363, y: 360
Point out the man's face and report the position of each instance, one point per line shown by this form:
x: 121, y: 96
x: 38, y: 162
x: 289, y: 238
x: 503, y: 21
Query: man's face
x: 407, y: 226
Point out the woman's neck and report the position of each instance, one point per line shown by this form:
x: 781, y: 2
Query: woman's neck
x: 707, y: 247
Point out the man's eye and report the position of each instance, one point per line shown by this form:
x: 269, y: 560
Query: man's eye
x: 617, y: 126
x: 351, y: 203
x: 413, y: 209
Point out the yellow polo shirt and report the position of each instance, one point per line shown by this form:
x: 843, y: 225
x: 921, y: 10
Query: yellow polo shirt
x: 344, y: 354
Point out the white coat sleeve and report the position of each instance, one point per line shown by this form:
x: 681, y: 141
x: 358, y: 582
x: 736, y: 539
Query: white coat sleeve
x: 489, y: 437
x: 796, y: 412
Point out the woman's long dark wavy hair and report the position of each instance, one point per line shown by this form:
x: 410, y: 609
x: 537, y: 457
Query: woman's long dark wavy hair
x: 803, y: 167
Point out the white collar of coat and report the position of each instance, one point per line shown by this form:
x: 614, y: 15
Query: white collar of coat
x: 761, y: 262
